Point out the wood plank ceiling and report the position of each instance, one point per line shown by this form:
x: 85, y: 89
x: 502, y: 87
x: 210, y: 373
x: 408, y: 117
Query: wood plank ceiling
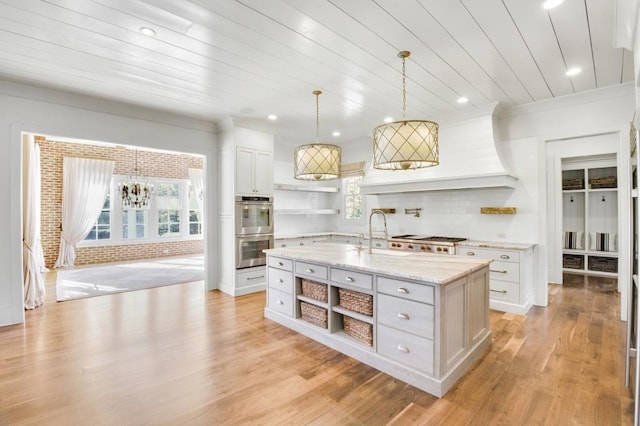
x: 213, y: 59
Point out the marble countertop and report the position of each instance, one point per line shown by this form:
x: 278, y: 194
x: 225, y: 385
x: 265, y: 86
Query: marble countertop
x: 471, y: 243
x: 433, y: 268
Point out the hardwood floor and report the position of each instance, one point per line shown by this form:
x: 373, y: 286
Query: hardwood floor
x: 181, y: 355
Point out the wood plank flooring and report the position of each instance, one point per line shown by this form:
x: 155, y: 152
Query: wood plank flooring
x: 179, y: 355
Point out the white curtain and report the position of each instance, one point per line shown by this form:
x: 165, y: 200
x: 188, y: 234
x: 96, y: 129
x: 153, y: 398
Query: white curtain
x: 197, y: 180
x: 85, y: 185
x: 32, y: 253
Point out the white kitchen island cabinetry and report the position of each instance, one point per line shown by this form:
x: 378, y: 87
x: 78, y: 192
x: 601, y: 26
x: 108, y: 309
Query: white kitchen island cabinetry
x: 427, y: 317
x: 511, y: 273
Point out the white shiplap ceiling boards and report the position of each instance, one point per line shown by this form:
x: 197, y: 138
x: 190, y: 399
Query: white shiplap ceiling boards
x: 246, y: 59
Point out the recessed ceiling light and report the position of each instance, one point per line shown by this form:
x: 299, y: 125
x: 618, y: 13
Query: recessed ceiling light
x: 573, y: 71
x: 149, y: 32
x: 336, y: 133
x: 550, y: 4
x: 388, y: 119
x: 272, y: 117
x: 462, y: 100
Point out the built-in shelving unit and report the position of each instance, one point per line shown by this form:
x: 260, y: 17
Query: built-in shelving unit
x: 320, y: 203
x: 590, y: 217
x: 306, y: 188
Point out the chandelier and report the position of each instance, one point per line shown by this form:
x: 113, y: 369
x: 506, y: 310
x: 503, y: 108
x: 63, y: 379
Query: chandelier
x: 317, y: 161
x: 405, y: 144
x: 136, y: 192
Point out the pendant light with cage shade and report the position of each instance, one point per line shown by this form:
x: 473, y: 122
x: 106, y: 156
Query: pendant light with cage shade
x: 405, y: 144
x: 317, y: 161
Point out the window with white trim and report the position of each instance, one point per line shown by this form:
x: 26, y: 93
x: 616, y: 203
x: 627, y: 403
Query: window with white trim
x: 101, y: 229
x: 195, y: 213
x: 353, y: 206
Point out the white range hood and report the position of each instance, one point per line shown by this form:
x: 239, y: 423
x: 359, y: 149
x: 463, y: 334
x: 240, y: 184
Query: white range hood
x: 468, y: 159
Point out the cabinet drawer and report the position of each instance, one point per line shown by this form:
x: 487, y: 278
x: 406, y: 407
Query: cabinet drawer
x: 280, y: 301
x: 251, y: 278
x: 405, y: 348
x: 354, y: 279
x: 281, y: 280
x: 311, y: 270
x: 412, y: 317
x: 504, y: 291
x: 482, y: 253
x: 504, y: 271
x: 281, y: 263
x: 407, y: 290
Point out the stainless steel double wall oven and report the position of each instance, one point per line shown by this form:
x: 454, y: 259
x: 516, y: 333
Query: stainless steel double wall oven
x: 254, y: 230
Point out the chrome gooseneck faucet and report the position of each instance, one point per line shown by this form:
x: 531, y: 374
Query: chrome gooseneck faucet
x: 386, y: 235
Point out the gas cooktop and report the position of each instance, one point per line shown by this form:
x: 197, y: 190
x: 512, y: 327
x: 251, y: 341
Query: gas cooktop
x: 435, y: 239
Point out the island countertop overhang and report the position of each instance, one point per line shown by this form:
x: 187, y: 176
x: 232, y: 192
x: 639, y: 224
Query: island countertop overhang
x: 433, y: 268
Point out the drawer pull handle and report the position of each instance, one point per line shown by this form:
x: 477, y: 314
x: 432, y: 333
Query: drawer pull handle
x: 499, y: 291
x: 255, y: 278
x: 403, y: 316
x: 280, y: 280
x: 403, y: 348
x: 279, y: 302
x: 500, y: 271
x: 504, y: 256
x: 378, y: 245
x: 470, y: 253
x: 310, y: 271
x: 403, y: 290
x: 349, y: 279
x: 280, y: 263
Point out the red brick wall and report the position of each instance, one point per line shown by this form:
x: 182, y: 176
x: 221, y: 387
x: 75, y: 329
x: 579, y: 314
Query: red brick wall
x: 150, y: 164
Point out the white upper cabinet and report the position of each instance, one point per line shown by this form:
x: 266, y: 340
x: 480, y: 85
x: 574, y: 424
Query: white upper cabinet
x: 254, y: 172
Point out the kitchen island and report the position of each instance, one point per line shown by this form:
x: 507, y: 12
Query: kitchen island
x: 421, y: 318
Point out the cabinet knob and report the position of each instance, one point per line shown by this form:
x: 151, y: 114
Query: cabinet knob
x: 378, y: 245
x: 402, y: 290
x: 470, y: 253
x: 283, y: 245
x: 349, y: 279
x: 301, y: 244
x: 280, y: 263
x: 280, y: 280
x: 403, y: 348
x: 403, y: 316
x: 279, y: 302
x: 504, y: 256
x: 310, y: 271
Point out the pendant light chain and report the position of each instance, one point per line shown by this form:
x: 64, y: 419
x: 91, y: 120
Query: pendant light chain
x: 404, y: 90
x: 317, y: 93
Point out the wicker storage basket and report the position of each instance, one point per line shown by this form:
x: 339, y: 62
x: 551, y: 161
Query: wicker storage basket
x: 355, y: 301
x: 359, y: 330
x: 603, y: 264
x: 314, y: 314
x: 314, y: 290
x: 572, y: 261
x: 572, y: 183
x: 603, y: 182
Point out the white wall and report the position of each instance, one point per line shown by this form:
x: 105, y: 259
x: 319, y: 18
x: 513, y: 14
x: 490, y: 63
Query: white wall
x: 47, y: 112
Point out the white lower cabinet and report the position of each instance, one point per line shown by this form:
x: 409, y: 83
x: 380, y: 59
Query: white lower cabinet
x: 511, y: 277
x: 423, y: 333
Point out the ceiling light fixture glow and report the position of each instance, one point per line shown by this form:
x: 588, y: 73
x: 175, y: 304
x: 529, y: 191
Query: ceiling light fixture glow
x: 573, y: 71
x: 336, y: 133
x: 388, y: 119
x: 550, y: 4
x: 272, y: 117
x: 149, y: 32
x: 463, y: 100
